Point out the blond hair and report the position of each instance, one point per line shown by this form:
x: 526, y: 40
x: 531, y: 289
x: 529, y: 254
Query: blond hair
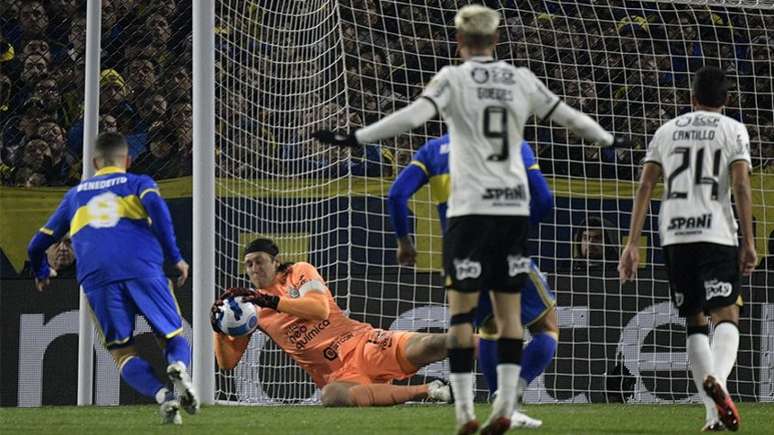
x: 477, y: 20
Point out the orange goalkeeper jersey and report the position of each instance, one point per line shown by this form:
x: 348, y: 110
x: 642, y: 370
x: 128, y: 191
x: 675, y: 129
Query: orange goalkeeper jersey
x: 318, y: 346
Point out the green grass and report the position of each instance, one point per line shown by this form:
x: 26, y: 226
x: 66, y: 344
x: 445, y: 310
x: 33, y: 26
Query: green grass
x: 404, y: 420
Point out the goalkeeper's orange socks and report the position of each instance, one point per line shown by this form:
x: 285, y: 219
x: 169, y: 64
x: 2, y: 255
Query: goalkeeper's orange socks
x: 139, y: 375
x: 177, y: 349
x: 386, y: 394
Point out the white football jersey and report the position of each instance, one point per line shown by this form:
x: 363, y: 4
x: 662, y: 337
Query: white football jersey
x: 695, y: 152
x: 485, y: 104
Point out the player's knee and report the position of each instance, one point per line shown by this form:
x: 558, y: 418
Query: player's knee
x: 435, y: 345
x: 547, y: 324
x: 488, y: 329
x: 729, y: 313
x: 335, y: 395
x: 122, y: 354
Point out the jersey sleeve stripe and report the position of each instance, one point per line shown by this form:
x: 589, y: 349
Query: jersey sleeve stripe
x: 421, y: 166
x: 551, y: 111
x: 46, y: 231
x: 741, y: 159
x: 534, y: 167
x: 430, y: 99
x: 150, y: 190
x: 313, y: 285
x: 655, y: 162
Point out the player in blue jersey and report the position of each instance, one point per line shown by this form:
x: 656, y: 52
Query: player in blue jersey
x: 121, y: 232
x: 538, y: 306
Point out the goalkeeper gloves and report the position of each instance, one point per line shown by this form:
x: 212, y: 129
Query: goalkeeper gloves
x: 215, y: 312
x: 332, y: 138
x: 264, y: 300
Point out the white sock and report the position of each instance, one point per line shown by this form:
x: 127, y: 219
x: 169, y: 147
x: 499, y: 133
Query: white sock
x: 700, y: 360
x: 725, y: 344
x: 462, y: 386
x: 520, y: 387
x: 507, y: 382
x: 161, y: 395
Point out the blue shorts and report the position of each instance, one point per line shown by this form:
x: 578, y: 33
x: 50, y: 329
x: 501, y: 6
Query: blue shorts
x: 116, y: 305
x: 537, y: 298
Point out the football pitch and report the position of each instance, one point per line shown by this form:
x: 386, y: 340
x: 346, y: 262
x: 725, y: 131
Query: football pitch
x: 404, y: 420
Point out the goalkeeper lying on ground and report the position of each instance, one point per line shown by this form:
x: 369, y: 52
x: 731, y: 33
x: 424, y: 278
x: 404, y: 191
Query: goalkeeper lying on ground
x: 351, y: 361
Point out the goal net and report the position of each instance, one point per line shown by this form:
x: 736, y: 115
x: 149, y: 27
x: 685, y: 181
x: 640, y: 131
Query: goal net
x: 287, y: 68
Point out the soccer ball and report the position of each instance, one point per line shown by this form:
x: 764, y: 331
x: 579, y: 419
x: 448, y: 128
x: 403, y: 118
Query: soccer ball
x: 237, y: 318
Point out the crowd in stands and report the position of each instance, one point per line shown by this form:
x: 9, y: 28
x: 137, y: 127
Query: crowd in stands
x: 145, y: 87
x: 627, y: 63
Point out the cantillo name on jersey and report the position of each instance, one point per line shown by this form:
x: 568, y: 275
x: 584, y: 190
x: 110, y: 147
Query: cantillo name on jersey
x: 486, y: 104
x: 695, y: 151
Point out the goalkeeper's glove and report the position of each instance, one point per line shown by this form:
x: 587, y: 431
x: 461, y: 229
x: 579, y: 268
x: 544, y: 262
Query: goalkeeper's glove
x: 215, y: 312
x: 263, y: 300
x: 332, y: 138
x: 622, y: 142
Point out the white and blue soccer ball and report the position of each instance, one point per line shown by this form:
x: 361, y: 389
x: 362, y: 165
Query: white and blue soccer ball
x: 237, y: 318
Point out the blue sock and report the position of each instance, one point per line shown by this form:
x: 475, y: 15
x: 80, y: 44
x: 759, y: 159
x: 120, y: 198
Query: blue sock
x: 537, y: 355
x: 139, y: 375
x: 487, y: 362
x: 177, y: 349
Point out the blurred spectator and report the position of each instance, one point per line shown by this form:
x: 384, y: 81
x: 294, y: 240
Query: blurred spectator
x: 47, y: 91
x: 595, y: 245
x: 76, y: 38
x: 34, y: 164
x: 61, y: 159
x: 164, y: 158
x: 178, y: 79
x: 33, y: 23
x: 159, y: 33
x: 152, y: 107
x: 141, y: 76
x: 61, y: 258
x: 112, y: 102
x: 35, y: 68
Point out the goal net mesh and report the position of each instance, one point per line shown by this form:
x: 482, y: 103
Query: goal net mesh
x: 287, y: 68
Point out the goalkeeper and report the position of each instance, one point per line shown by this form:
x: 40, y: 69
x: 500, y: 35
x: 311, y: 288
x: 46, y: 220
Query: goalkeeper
x: 538, y: 309
x: 351, y: 361
x: 121, y: 232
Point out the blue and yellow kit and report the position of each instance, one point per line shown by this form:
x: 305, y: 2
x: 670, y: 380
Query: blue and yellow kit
x: 121, y: 232
x: 431, y: 165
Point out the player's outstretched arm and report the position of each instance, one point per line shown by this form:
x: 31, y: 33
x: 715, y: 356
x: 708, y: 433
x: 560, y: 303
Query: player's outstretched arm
x: 161, y: 225
x: 56, y: 227
x: 410, y: 179
x: 740, y: 177
x: 585, y: 127
x: 541, y: 200
x: 627, y: 267
x: 408, y: 118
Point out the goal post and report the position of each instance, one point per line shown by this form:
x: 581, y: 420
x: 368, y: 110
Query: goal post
x: 203, y: 364
x: 284, y: 69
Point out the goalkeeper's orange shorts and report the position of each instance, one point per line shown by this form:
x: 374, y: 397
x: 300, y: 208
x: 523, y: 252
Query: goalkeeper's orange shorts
x: 378, y: 357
